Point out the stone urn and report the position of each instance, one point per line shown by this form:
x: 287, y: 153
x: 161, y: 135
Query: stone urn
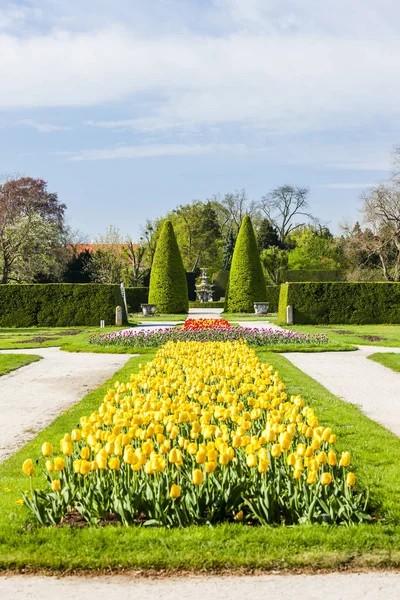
x: 149, y: 310
x: 261, y: 308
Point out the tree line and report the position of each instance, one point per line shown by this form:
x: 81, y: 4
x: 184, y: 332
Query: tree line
x: 37, y: 245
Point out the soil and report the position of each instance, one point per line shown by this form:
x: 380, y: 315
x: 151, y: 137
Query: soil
x: 342, y: 331
x: 38, y: 340
x: 372, y: 338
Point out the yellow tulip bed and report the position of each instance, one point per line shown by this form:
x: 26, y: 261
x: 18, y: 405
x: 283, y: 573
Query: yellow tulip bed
x: 204, y: 433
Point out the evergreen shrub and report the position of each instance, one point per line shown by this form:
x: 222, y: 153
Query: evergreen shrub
x: 341, y: 302
x: 168, y: 285
x: 135, y: 296
x: 59, y: 304
x: 246, y: 283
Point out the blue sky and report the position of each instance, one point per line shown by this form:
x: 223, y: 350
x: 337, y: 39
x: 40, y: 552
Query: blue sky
x: 131, y: 107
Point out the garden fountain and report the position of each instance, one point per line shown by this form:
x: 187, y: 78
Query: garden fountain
x: 204, y: 288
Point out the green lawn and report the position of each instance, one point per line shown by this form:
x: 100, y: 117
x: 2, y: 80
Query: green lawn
x: 369, y: 335
x: 375, y: 459
x: 11, y: 362
x: 72, y: 339
x: 387, y: 359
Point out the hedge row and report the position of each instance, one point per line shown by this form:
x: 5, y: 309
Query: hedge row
x: 135, y: 296
x: 352, y: 303
x: 306, y: 275
x: 273, y: 298
x: 58, y: 304
x: 206, y: 304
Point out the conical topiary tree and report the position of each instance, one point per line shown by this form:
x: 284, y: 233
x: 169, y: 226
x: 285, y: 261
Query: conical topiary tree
x: 168, y: 285
x: 246, y: 283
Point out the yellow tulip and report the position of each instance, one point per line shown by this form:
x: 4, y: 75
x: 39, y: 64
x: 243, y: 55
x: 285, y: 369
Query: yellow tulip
x: 85, y: 452
x: 59, y: 463
x: 56, y: 485
x: 28, y: 467
x: 66, y: 448
x: 332, y: 459
x: 175, y: 491
x: 326, y: 478
x: 114, y: 463
x: 350, y: 479
x: 47, y: 449
x: 296, y: 474
x: 251, y: 461
x: 49, y: 466
x: 263, y: 465
x: 76, y: 435
x: 239, y: 516
x: 276, y: 450
x: 210, y: 467
x: 197, y: 476
x: 345, y: 459
x: 312, y: 477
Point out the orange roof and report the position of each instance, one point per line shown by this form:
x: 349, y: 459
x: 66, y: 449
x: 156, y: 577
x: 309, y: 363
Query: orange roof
x: 78, y: 248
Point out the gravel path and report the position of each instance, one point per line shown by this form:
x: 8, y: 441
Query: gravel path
x: 334, y: 586
x: 354, y: 378
x: 33, y: 396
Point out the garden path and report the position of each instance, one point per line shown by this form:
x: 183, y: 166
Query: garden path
x: 332, y: 586
x: 34, y: 395
x: 375, y: 389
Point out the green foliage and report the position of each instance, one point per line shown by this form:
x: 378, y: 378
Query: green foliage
x: 274, y: 260
x: 228, y: 250
x: 58, y: 304
x: 168, y: 285
x: 246, y: 278
x: 315, y: 249
x: 267, y: 236
x: 135, y: 296
x: 300, y: 275
x: 206, y: 305
x: 272, y: 297
x: 358, y: 303
x: 283, y: 302
x: 220, y: 282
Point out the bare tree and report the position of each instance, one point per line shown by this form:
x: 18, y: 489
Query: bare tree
x: 283, y: 205
x: 232, y: 207
x: 381, y: 212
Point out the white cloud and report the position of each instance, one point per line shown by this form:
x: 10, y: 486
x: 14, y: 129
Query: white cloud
x: 43, y: 127
x: 153, y: 150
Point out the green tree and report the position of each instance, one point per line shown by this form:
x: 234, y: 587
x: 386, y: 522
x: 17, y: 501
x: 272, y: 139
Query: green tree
x: 246, y: 279
x: 267, y: 236
x: 32, y: 232
x: 168, y: 285
x: 315, y: 249
x: 228, y: 250
x: 275, y: 261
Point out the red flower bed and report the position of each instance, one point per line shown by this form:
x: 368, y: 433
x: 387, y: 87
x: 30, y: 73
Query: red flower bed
x: 201, y: 324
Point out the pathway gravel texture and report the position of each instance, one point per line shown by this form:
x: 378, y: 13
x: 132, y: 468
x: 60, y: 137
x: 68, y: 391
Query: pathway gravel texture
x: 34, y: 395
x: 334, y: 586
x: 375, y: 389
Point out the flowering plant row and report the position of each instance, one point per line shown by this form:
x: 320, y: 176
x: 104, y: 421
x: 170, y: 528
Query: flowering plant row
x: 202, y: 434
x: 254, y: 337
x: 200, y: 324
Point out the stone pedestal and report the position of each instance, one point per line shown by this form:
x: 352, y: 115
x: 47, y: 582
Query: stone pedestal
x: 261, y: 308
x: 149, y: 310
x: 118, y: 316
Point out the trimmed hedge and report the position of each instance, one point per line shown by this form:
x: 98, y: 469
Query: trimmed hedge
x: 246, y: 283
x: 341, y: 303
x: 135, y: 296
x: 206, y: 304
x: 273, y: 298
x: 168, y: 285
x: 59, y: 304
x: 306, y: 275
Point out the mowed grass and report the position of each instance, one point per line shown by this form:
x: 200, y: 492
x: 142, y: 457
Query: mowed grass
x: 387, y: 359
x: 12, y: 362
x: 71, y: 339
x: 367, y: 335
x: 375, y: 459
